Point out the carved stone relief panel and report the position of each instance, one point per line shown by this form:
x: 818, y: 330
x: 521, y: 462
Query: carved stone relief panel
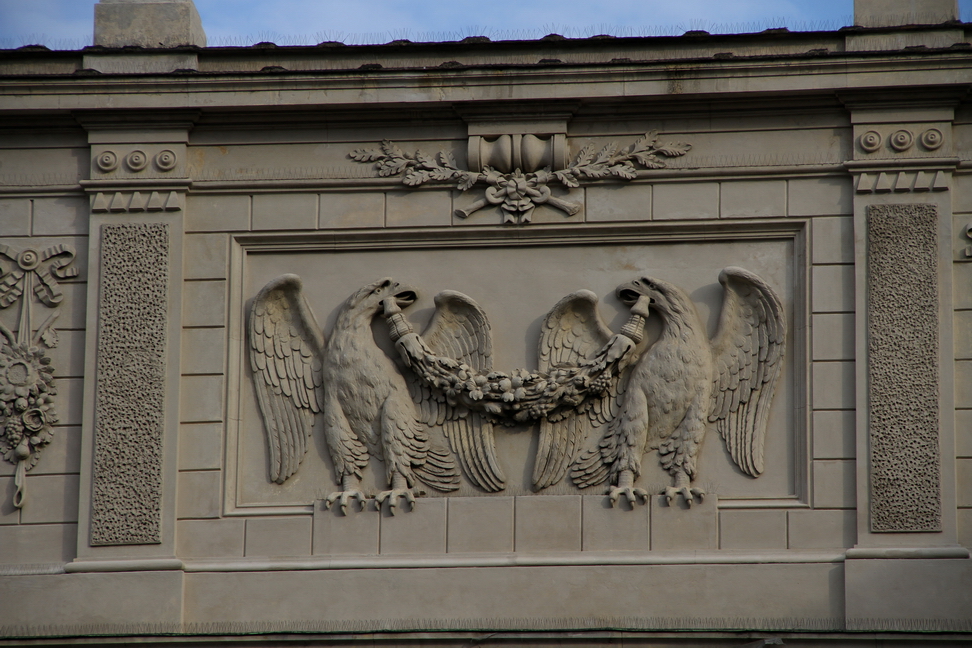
x: 396, y: 395
x: 27, y: 386
x: 130, y: 394
x: 519, y: 169
x: 903, y: 374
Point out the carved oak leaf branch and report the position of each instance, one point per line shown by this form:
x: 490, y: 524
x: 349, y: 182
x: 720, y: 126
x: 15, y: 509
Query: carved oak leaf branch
x: 518, y: 193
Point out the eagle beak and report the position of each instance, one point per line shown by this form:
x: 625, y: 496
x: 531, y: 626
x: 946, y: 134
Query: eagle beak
x: 634, y: 299
x: 405, y: 296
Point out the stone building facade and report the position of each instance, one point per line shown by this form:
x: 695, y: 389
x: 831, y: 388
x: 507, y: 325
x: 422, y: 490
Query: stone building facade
x: 675, y: 346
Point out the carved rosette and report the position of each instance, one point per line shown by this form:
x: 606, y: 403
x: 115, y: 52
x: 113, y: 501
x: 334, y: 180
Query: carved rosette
x: 27, y: 389
x: 519, y: 191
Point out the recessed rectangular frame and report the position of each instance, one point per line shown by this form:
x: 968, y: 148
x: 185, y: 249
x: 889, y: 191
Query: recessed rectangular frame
x: 431, y: 239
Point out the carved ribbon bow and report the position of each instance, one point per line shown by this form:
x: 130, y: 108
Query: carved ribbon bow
x: 46, y: 267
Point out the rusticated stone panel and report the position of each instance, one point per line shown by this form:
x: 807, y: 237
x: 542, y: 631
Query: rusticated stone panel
x: 130, y: 401
x: 903, y: 344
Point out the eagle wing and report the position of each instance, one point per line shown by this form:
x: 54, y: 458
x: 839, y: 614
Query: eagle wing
x: 747, y: 353
x: 572, y: 333
x: 459, y: 329
x: 286, y: 346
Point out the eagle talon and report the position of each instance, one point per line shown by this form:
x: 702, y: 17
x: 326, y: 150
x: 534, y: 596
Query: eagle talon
x: 343, y: 498
x: 633, y: 495
x: 688, y: 494
x: 393, y: 496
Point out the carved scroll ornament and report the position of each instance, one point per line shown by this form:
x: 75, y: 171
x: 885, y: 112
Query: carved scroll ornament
x: 519, y: 191
x: 591, y: 383
x: 27, y: 389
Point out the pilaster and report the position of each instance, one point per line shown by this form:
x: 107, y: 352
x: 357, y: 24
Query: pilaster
x: 137, y: 188
x: 903, y: 160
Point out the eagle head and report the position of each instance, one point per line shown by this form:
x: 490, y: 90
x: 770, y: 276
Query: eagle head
x: 367, y: 301
x: 647, y: 292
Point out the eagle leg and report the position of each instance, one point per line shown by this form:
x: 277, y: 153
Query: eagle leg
x: 682, y: 486
x: 350, y: 485
x: 399, y: 489
x: 626, y: 488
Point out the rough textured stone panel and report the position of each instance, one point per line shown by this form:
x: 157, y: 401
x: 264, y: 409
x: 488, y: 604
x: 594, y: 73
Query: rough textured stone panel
x: 903, y: 342
x: 130, y: 393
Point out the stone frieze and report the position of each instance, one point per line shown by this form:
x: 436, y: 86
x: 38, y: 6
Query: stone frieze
x: 602, y: 400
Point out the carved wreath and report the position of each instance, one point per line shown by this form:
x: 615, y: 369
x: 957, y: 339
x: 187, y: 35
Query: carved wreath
x: 518, y: 193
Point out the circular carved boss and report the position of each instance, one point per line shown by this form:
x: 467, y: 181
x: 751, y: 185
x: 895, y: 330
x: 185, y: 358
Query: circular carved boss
x: 932, y: 139
x: 165, y: 160
x: 901, y: 140
x: 107, y: 161
x: 871, y: 141
x: 136, y: 160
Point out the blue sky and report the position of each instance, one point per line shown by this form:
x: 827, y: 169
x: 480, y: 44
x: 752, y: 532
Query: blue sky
x: 67, y: 24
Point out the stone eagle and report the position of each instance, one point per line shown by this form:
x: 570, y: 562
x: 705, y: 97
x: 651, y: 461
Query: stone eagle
x: 366, y: 402
x: 678, y: 386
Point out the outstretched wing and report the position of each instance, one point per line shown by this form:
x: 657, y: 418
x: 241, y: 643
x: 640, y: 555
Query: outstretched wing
x: 286, y: 346
x: 747, y: 353
x: 572, y: 332
x: 459, y: 329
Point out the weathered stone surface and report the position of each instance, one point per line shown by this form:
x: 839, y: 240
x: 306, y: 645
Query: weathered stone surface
x: 903, y: 373
x: 147, y: 23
